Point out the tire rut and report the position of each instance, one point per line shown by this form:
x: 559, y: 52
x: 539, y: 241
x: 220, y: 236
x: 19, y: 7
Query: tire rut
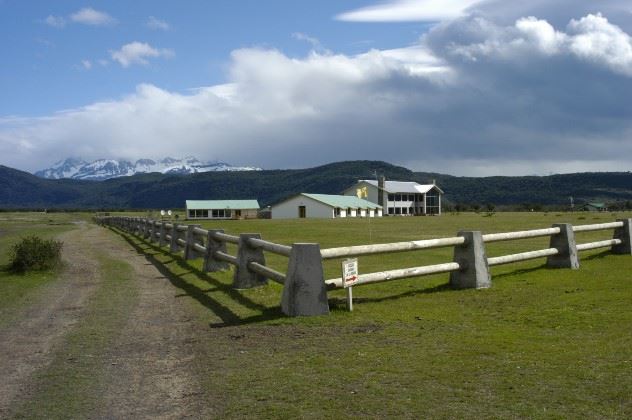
x: 151, y: 373
x: 29, y: 344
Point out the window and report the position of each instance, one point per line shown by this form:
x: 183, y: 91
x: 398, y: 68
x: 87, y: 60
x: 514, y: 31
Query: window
x: 220, y: 213
x: 391, y: 197
x: 391, y: 210
x: 411, y: 197
x: 404, y: 210
x: 191, y: 213
x: 337, y: 212
x: 302, y: 212
x: 398, y: 210
x: 398, y: 197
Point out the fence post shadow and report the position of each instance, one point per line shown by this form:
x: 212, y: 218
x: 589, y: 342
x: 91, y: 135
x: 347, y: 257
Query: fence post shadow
x: 227, y: 316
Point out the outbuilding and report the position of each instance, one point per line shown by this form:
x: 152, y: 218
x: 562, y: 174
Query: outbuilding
x: 221, y: 209
x: 400, y: 198
x: 324, y: 206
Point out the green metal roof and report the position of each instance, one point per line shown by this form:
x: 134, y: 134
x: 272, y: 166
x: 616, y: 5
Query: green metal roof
x: 221, y: 204
x: 343, y: 201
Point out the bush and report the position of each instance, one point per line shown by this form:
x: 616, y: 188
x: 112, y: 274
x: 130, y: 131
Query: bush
x: 34, y: 253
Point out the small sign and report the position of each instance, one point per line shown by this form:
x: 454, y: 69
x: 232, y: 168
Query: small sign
x: 349, y: 272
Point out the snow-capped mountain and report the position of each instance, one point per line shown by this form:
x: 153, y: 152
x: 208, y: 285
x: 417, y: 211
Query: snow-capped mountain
x: 103, y: 169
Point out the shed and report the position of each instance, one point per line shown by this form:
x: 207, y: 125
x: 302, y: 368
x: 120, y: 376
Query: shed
x: 594, y: 207
x: 221, y: 209
x: 324, y: 206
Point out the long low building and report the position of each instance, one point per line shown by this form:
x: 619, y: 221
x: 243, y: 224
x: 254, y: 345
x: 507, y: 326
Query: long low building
x: 324, y: 206
x: 222, y: 209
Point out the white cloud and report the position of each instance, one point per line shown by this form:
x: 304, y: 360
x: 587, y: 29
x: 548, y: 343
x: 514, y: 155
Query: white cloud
x: 89, y: 16
x: 55, y: 21
x: 138, y: 53
x: 409, y: 10
x: 592, y: 38
x: 87, y: 64
x: 314, y: 42
x: 158, y: 24
x: 479, y: 95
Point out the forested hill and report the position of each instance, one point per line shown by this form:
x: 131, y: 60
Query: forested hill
x: 22, y: 190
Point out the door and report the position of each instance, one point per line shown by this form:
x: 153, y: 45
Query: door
x: 302, y: 213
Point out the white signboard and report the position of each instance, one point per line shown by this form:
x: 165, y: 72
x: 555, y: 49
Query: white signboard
x: 349, y: 272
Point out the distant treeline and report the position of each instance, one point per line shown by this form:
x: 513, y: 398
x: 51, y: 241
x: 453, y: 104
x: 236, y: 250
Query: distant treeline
x: 21, y: 190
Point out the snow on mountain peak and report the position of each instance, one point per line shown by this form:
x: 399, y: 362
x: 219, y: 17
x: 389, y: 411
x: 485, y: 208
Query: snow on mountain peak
x: 102, y: 169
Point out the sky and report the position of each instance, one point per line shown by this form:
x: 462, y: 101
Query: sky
x: 462, y: 87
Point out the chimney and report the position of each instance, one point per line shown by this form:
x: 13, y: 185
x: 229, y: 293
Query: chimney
x: 380, y: 190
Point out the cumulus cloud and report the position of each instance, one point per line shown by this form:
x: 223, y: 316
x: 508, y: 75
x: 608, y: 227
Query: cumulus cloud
x: 478, y: 95
x: 592, y: 38
x: 87, y: 64
x: 409, y: 10
x: 89, y: 16
x: 138, y: 53
x: 55, y: 21
x: 157, y: 24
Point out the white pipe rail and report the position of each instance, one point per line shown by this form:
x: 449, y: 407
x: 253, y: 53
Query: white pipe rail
x: 270, y: 247
x: 598, y: 226
x: 226, y: 257
x: 402, y: 273
x: 267, y: 272
x: 523, y: 256
x: 200, y: 231
x: 506, y: 236
x: 599, y: 244
x: 226, y: 238
x: 349, y: 251
x: 199, y: 248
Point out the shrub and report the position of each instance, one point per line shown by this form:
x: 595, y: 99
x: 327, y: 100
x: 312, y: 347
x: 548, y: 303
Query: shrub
x: 34, y: 253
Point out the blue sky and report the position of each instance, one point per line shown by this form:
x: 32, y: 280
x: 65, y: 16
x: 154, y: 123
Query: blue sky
x: 468, y: 87
x: 48, y: 62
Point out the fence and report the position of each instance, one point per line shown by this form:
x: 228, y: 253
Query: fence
x: 304, y: 286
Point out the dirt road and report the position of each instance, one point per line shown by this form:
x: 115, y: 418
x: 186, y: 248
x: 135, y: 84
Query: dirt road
x: 145, y: 370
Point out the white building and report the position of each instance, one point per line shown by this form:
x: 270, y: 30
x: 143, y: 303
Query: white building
x: 401, y: 198
x: 222, y: 209
x: 323, y: 206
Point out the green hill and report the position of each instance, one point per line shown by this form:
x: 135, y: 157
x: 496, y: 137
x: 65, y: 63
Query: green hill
x: 20, y: 189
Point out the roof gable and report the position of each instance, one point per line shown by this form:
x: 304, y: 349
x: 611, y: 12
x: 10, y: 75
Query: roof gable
x: 222, y: 204
x: 343, y: 201
x: 409, y: 187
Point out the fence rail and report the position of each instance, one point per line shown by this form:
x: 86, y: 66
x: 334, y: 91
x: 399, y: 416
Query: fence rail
x: 304, y: 286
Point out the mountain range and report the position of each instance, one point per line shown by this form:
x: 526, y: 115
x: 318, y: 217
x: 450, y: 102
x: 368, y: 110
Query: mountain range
x: 103, y: 169
x: 20, y: 189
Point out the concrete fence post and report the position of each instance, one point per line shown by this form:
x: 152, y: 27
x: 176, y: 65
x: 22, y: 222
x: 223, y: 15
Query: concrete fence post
x: 304, y: 291
x: 566, y: 246
x: 174, y: 246
x: 243, y: 277
x: 163, y: 231
x: 623, y: 233
x: 212, y: 246
x: 471, y: 256
x: 154, y: 232
x: 191, y: 239
x: 148, y: 228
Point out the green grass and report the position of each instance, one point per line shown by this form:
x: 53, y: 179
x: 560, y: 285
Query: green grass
x: 72, y: 384
x: 17, y: 289
x: 541, y: 343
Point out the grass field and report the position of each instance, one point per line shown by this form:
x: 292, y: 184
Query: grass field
x: 539, y: 343
x: 15, y: 289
